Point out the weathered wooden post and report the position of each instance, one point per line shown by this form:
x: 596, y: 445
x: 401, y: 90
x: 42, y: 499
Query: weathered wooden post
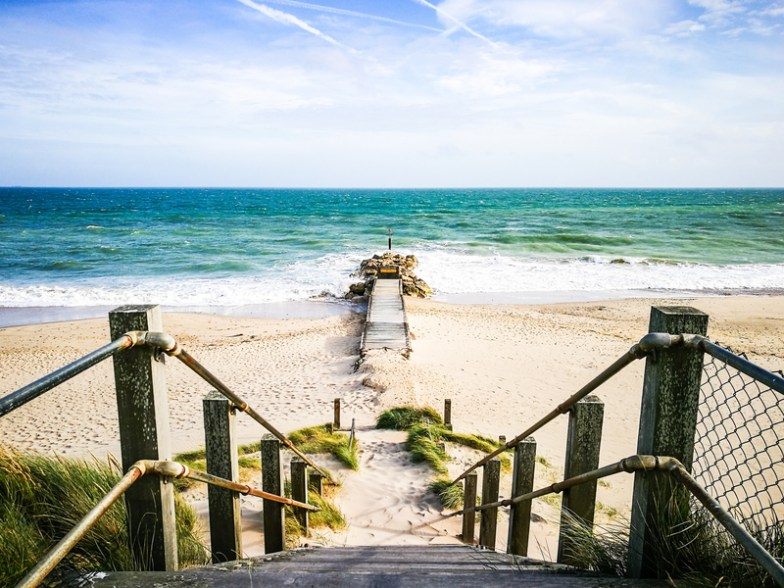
x: 143, y: 412
x: 336, y: 417
x: 668, y: 418
x: 583, y: 443
x: 299, y: 491
x: 488, y: 522
x: 224, y: 504
x: 272, y: 482
x: 469, y: 500
x: 448, y: 413
x: 522, y: 483
x: 316, y: 481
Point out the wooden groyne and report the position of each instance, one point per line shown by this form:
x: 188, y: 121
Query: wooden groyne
x: 386, y: 326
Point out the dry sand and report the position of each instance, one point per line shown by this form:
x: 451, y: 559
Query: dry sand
x: 503, y: 367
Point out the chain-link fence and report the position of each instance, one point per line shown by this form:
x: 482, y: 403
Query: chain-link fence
x: 739, y: 457
x: 739, y: 444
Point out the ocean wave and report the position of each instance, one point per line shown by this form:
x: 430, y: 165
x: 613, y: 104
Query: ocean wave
x: 460, y: 274
x: 447, y: 271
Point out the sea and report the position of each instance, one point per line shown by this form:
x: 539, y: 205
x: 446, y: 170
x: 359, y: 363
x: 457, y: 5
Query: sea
x: 74, y: 252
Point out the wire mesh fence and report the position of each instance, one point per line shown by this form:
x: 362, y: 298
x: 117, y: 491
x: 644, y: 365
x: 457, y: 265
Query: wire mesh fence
x: 739, y: 460
x: 739, y: 445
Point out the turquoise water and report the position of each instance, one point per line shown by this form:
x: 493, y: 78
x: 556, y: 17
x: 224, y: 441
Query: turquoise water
x: 221, y: 247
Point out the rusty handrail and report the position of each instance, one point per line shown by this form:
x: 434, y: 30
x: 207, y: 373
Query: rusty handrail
x: 673, y: 467
x: 158, y: 340
x: 32, y: 391
x: 647, y: 344
x: 169, y: 469
x: 169, y: 345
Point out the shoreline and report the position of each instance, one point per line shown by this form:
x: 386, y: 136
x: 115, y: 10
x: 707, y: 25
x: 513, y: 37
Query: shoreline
x: 17, y: 316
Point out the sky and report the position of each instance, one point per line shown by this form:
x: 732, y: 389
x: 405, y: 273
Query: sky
x: 392, y: 93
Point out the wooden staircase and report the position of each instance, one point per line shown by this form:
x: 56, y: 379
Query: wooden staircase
x: 378, y: 567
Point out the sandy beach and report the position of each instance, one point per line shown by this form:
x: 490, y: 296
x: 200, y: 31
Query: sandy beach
x: 503, y: 367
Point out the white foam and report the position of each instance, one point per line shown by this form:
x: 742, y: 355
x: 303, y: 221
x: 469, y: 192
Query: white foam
x: 452, y: 273
x: 447, y: 271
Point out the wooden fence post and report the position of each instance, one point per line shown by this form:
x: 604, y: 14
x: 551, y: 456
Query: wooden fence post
x: 224, y: 504
x: 668, y: 420
x: 272, y: 482
x: 469, y: 500
x: 299, y: 491
x: 522, y: 483
x: 336, y: 417
x: 488, y: 522
x: 143, y: 412
x: 316, y: 482
x: 583, y: 443
x: 448, y: 413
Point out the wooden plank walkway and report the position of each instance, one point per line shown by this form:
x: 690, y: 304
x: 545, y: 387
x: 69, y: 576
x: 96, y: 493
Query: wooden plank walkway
x: 386, y: 326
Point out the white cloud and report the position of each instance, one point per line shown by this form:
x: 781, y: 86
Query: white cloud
x: 564, y: 19
x: 685, y: 28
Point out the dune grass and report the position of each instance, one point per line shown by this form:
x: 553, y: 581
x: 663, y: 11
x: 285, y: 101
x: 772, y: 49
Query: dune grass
x: 450, y: 495
x: 402, y: 418
x: 43, y: 497
x: 427, y: 435
x: 688, y: 544
x: 329, y: 516
x: 320, y: 439
x: 316, y: 439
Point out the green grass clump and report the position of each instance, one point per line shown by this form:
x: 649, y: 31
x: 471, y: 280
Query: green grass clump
x: 688, y: 544
x: 308, y: 440
x: 320, y: 440
x: 42, y: 498
x: 425, y: 443
x: 427, y: 434
x: 329, y: 516
x: 450, y: 495
x: 477, y: 442
x: 402, y: 418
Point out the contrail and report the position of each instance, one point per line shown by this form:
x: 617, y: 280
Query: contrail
x: 290, y: 19
x: 353, y: 13
x: 459, y: 23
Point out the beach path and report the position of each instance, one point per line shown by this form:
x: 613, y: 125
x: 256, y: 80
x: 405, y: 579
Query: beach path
x: 386, y: 501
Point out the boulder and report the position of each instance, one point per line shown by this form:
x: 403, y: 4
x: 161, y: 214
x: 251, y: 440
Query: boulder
x: 369, y: 270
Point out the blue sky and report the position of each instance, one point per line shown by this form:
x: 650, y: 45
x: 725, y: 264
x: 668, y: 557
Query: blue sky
x: 392, y: 93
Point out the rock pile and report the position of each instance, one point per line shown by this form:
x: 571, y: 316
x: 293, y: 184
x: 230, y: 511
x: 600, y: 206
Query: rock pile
x: 389, y: 263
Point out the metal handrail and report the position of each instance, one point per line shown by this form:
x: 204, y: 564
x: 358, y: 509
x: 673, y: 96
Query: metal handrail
x: 673, y: 467
x: 648, y: 344
x: 168, y: 345
x: 32, y: 391
x: 771, y: 380
x: 169, y: 469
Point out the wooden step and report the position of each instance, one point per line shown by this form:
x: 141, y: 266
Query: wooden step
x: 378, y: 567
